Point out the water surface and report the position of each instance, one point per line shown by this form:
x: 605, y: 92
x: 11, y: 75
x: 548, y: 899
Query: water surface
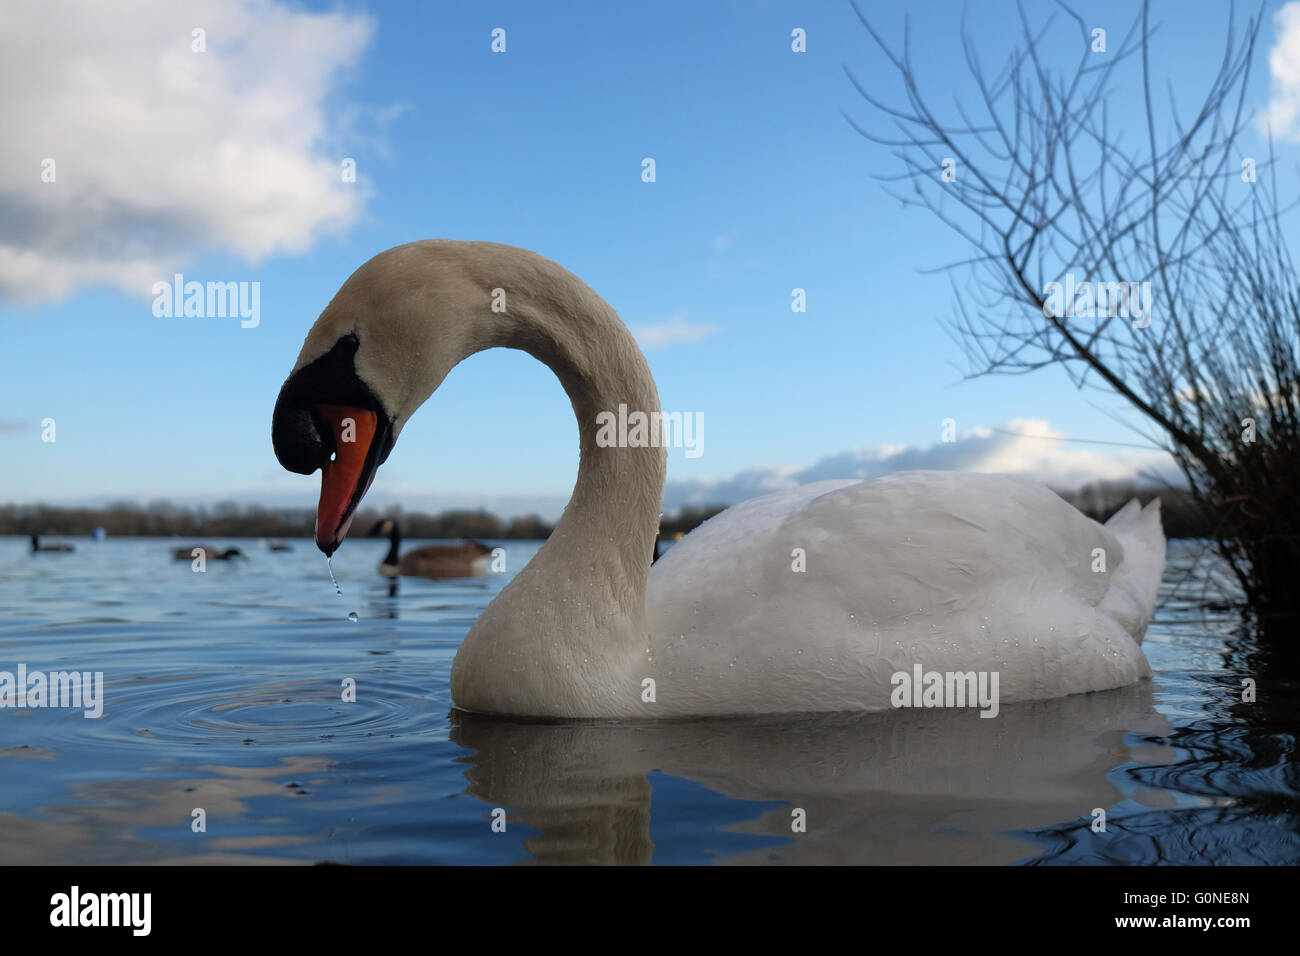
x: 223, y: 692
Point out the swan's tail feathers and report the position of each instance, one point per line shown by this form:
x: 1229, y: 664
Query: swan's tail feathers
x: 1135, y: 583
x: 1127, y: 514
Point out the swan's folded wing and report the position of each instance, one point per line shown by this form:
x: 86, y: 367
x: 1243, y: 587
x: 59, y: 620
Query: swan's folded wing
x: 825, y: 591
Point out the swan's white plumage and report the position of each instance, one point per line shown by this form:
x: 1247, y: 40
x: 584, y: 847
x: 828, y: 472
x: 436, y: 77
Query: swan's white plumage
x: 956, y: 572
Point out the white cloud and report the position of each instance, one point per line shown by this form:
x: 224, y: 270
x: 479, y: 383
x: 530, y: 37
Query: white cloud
x: 675, y: 330
x: 1283, y: 113
x: 161, y: 152
x: 1027, y: 447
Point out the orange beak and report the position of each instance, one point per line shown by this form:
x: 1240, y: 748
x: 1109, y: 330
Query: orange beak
x: 344, y: 480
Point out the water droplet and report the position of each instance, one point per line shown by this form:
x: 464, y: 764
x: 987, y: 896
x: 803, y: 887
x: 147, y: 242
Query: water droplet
x: 353, y: 617
x: 329, y: 563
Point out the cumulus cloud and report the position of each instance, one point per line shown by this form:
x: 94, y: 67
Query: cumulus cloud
x: 672, y: 332
x: 161, y: 152
x: 1283, y: 113
x: 1027, y: 447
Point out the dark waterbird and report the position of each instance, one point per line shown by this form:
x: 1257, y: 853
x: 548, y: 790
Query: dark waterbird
x: 37, y: 546
x: 209, y: 554
x: 468, y: 560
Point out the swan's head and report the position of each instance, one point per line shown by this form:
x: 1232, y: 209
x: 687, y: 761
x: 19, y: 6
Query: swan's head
x: 377, y: 352
x: 327, y: 417
x: 397, y: 327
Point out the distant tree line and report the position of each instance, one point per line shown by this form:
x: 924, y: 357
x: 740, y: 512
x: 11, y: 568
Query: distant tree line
x: 687, y: 520
x: 231, y: 520
x: 1180, y: 512
x: 1183, y: 518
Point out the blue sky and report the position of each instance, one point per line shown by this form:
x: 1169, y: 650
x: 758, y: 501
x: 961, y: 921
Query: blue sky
x: 762, y: 186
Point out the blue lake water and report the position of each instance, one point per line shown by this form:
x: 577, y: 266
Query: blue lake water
x: 223, y: 693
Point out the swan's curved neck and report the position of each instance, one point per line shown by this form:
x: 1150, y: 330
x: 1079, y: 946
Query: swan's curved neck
x: 564, y: 637
x: 608, y: 529
x: 579, y: 604
x: 443, y: 301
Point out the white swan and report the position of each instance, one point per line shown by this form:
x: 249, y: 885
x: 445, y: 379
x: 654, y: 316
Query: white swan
x: 955, y: 572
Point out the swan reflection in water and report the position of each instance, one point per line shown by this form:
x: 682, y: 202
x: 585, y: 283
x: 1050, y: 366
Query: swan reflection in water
x: 914, y: 786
